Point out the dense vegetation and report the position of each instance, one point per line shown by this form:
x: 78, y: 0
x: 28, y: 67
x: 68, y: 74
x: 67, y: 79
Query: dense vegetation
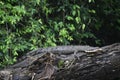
x: 30, y: 24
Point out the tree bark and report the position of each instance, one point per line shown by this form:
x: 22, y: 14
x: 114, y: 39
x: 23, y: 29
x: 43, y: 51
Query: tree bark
x: 67, y: 63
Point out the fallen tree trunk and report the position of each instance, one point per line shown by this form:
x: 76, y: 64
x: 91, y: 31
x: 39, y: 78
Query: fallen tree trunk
x: 67, y: 63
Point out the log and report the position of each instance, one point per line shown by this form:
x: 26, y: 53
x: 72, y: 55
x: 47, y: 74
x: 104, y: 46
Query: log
x: 67, y: 63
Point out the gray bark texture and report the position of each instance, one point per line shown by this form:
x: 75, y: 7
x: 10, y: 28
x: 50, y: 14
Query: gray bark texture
x: 67, y: 63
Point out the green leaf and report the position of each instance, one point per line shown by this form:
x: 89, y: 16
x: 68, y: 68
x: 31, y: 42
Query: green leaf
x: 77, y: 19
x: 83, y: 26
x: 69, y: 18
x: 38, y: 1
x: 92, y: 11
x: 15, y: 53
x: 61, y: 24
x: 73, y: 13
x: 63, y: 32
x: 89, y: 1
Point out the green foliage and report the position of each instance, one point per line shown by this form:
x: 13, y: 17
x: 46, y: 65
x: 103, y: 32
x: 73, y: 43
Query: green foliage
x: 29, y: 24
x: 106, y: 20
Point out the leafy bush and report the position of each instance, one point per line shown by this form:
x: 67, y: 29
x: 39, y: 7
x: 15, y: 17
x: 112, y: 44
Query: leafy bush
x: 30, y: 24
